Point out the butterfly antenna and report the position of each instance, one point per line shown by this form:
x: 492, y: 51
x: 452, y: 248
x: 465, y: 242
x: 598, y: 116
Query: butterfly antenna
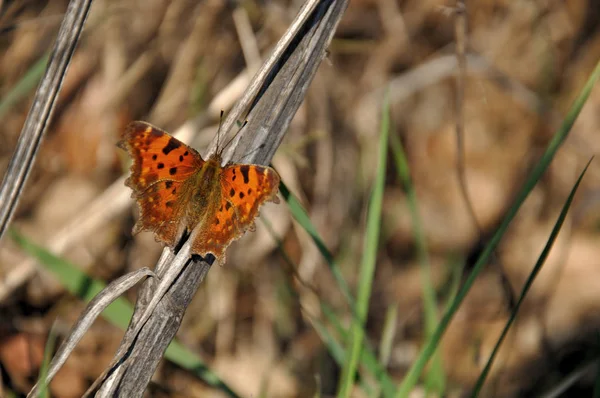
x: 219, y: 132
x: 236, y: 134
x: 261, y: 146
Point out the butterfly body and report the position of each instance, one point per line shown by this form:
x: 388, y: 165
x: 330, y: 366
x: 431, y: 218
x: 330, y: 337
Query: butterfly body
x: 178, y: 192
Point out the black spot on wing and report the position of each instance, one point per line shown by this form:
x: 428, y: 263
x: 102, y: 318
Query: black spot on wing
x: 170, y: 203
x: 227, y: 206
x: 154, y: 157
x: 244, y: 169
x: 168, y: 184
x: 173, y: 170
x: 160, y: 166
x: 171, y: 145
x: 241, y: 195
x: 232, y: 192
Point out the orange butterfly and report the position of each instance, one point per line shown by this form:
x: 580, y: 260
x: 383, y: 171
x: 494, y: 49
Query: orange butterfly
x: 177, y: 191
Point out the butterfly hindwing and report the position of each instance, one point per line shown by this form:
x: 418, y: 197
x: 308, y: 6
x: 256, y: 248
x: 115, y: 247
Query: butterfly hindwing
x: 244, y: 188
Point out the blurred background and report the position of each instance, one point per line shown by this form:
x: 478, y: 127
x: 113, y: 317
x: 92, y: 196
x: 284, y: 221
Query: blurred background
x: 252, y: 320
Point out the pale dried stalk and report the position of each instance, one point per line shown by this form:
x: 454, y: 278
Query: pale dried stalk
x: 41, y: 110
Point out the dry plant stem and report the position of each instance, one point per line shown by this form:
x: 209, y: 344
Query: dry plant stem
x: 41, y: 110
x: 442, y: 67
x: 461, y: 59
x: 168, y: 270
x: 244, y: 105
x: 229, y: 95
x: 460, y: 28
x: 247, y: 38
x: 110, y: 293
x: 270, y: 102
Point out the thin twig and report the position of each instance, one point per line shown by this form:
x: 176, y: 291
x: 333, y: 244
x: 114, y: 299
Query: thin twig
x: 460, y: 29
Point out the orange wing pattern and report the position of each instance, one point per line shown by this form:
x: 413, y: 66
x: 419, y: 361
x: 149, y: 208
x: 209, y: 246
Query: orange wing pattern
x: 161, y: 166
x: 244, y: 188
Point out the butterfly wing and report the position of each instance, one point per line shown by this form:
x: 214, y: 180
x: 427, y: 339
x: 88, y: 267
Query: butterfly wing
x: 244, y: 188
x: 161, y: 166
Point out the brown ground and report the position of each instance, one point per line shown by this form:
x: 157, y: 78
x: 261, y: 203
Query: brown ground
x: 166, y: 61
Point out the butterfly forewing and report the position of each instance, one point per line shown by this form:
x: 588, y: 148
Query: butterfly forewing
x: 162, y: 166
x: 157, y: 156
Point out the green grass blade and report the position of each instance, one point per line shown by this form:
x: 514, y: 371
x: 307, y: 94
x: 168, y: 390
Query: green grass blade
x: 387, y: 336
x: 301, y: 216
x: 48, y: 350
x: 367, y: 358
x: 367, y: 269
x: 333, y: 346
x: 181, y: 356
x: 536, y: 269
x: 119, y: 312
x: 336, y: 350
x: 75, y: 280
x: 435, y: 379
x: 416, y: 369
x: 456, y: 266
x: 386, y: 342
x: 25, y: 86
